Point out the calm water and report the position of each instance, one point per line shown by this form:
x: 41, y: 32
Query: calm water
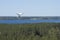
x: 26, y: 21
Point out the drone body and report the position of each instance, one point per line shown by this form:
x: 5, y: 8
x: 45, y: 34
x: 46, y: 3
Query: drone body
x: 19, y: 15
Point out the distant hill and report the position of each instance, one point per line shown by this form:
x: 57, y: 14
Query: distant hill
x: 29, y: 18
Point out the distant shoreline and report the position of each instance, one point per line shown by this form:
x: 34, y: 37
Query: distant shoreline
x: 30, y: 18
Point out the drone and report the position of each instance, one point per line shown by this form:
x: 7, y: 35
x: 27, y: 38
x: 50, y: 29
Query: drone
x: 19, y: 14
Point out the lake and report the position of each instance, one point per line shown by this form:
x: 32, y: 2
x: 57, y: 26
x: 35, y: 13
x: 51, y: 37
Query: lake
x: 26, y: 21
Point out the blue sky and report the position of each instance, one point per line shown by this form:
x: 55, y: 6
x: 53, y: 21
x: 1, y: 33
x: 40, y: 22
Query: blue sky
x: 30, y: 7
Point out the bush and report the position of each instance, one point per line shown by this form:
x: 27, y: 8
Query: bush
x: 37, y: 31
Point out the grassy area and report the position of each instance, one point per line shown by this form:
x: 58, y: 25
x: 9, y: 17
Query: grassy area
x: 37, y: 31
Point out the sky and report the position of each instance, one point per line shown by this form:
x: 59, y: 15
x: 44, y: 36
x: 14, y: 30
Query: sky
x: 30, y: 7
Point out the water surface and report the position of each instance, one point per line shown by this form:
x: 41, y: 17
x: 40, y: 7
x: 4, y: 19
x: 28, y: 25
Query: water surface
x: 27, y: 21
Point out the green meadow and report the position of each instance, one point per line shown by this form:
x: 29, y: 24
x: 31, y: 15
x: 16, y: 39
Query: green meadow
x: 33, y: 31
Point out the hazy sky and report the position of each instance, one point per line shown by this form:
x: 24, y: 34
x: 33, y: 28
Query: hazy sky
x: 30, y: 7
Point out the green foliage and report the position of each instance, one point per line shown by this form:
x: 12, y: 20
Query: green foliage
x: 38, y: 31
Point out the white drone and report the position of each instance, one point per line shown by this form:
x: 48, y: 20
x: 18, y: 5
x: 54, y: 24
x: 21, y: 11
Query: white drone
x: 19, y: 14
